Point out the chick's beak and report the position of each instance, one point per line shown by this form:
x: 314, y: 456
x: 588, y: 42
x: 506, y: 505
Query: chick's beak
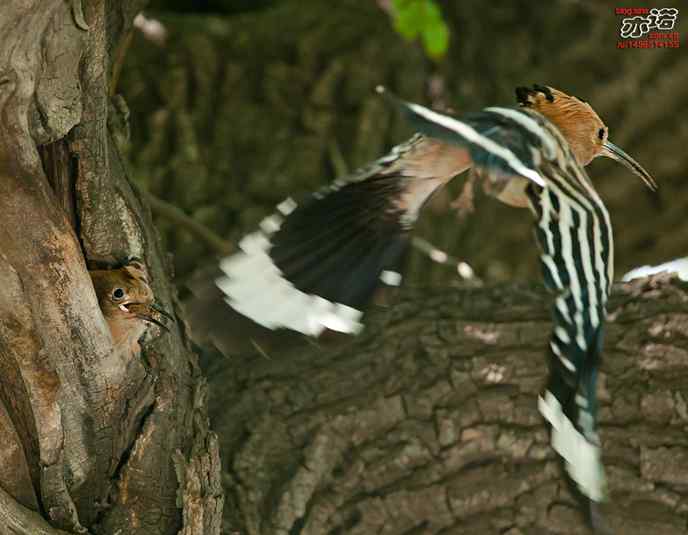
x: 150, y: 313
x: 615, y: 153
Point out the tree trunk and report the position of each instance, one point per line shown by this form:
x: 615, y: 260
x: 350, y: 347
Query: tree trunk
x: 428, y: 423
x: 94, y: 439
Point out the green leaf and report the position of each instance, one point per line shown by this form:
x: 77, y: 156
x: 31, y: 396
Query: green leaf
x: 414, y: 18
x: 436, y: 40
x: 408, y: 13
x: 431, y: 12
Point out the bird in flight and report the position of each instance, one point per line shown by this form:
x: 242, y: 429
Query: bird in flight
x: 314, y: 266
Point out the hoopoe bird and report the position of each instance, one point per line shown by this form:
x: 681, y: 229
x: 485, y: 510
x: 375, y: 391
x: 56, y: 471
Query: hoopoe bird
x: 315, y: 265
x: 128, y: 304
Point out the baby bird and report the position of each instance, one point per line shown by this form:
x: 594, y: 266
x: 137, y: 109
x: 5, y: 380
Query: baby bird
x: 128, y: 304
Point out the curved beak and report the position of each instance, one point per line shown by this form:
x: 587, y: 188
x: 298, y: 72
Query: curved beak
x: 150, y: 313
x: 615, y: 153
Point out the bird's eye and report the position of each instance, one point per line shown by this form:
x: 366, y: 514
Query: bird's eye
x: 600, y: 133
x: 118, y: 294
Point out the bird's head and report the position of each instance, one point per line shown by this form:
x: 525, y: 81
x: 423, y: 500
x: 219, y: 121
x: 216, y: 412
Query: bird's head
x: 127, y: 300
x: 580, y: 125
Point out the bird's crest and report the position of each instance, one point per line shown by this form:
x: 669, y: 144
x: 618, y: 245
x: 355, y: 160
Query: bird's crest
x: 575, y: 118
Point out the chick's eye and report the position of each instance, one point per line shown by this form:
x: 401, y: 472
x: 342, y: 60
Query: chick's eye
x: 118, y: 293
x: 600, y: 133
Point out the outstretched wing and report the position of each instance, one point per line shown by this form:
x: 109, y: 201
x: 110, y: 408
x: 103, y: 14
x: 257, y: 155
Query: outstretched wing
x: 575, y: 236
x: 315, y: 264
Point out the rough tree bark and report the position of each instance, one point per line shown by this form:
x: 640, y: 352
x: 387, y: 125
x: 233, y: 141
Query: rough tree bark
x: 428, y: 423
x: 93, y: 439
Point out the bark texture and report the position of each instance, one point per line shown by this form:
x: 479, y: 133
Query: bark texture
x: 94, y: 438
x: 428, y: 423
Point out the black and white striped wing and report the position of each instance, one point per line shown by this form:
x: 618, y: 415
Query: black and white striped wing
x: 502, y: 142
x: 575, y: 238
x: 315, y: 265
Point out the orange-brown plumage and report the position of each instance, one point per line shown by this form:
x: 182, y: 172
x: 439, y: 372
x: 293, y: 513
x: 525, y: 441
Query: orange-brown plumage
x: 578, y: 122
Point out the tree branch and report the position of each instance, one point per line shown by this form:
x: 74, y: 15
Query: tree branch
x: 177, y: 216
